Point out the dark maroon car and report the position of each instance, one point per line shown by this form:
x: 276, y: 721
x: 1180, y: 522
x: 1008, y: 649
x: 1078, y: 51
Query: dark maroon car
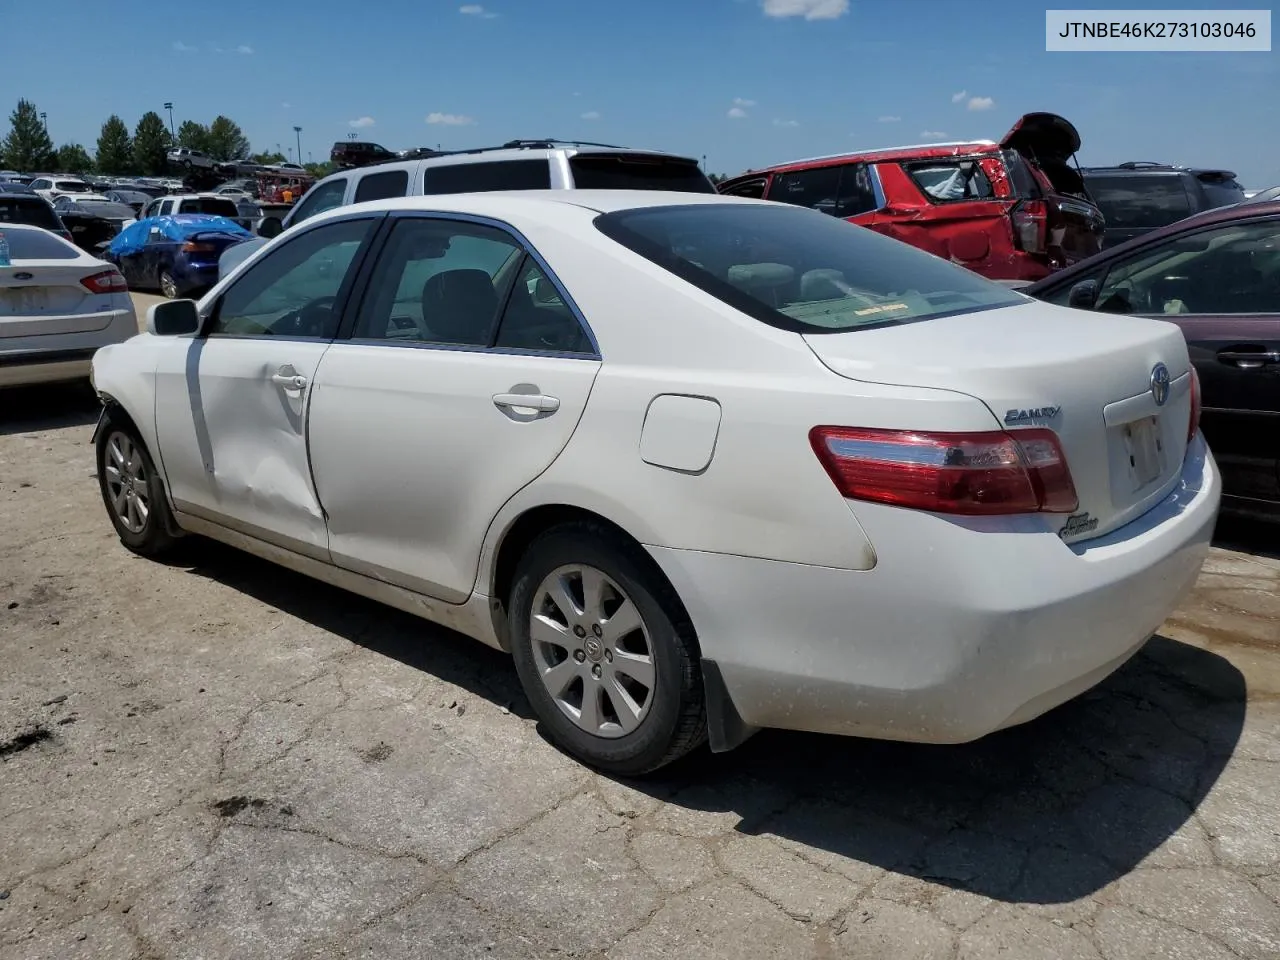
x: 1217, y: 276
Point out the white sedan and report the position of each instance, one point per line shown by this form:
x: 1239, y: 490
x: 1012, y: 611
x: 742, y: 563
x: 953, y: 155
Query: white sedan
x: 701, y: 464
x: 58, y: 305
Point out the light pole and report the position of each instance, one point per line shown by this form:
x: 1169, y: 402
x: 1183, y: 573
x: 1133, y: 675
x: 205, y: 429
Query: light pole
x: 168, y: 105
x: 353, y: 136
x: 297, y: 132
x: 43, y: 122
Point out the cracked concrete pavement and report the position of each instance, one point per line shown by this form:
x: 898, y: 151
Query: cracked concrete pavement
x: 224, y: 759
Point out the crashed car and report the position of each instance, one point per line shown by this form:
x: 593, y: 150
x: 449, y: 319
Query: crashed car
x: 1016, y: 210
x: 175, y: 254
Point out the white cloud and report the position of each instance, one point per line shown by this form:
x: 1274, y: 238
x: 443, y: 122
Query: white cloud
x: 809, y: 9
x: 933, y: 134
x: 286, y: 105
x: 959, y: 97
x: 737, y: 113
x: 786, y: 123
x: 360, y: 123
x: 244, y: 48
x: 577, y: 94
x: 475, y: 10
x: 740, y: 102
x: 591, y: 115
x: 981, y: 103
x: 887, y: 119
x: 739, y: 109
x: 450, y: 119
x: 181, y: 47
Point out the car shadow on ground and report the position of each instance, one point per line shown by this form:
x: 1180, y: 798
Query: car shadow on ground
x: 1248, y: 535
x: 47, y: 407
x: 1048, y: 812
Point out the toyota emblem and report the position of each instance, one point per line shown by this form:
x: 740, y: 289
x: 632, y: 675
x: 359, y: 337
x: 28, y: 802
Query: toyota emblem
x: 1160, y: 380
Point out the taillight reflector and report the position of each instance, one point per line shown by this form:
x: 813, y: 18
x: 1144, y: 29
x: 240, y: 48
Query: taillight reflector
x: 191, y: 247
x: 1193, y: 425
x: 964, y: 473
x: 1029, y: 225
x: 108, y: 281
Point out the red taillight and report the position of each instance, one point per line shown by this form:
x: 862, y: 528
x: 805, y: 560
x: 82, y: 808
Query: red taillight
x: 190, y: 247
x: 108, y: 281
x: 1029, y: 225
x: 1193, y: 424
x: 967, y: 473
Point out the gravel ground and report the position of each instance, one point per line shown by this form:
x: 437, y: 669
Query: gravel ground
x: 222, y: 759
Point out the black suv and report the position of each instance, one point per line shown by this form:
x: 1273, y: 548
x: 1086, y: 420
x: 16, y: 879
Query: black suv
x: 32, y: 210
x: 1137, y: 196
x: 359, y: 153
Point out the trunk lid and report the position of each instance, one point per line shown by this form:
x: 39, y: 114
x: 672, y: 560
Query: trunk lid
x: 1086, y: 376
x: 44, y: 298
x: 1043, y: 136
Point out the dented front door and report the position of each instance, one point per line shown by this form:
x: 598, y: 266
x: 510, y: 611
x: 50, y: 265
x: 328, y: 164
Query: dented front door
x: 232, y: 404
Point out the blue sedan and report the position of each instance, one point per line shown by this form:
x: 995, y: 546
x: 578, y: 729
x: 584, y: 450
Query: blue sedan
x: 177, y: 255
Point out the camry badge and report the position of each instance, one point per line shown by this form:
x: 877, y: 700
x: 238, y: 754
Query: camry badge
x: 1012, y: 417
x: 1160, y: 384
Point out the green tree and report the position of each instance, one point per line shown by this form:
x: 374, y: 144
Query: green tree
x: 193, y: 136
x: 27, y: 147
x: 318, y: 170
x: 266, y: 159
x: 150, y: 144
x: 73, y: 158
x: 115, y: 149
x: 226, y: 140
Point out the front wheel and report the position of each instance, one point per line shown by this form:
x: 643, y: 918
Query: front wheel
x: 132, y: 491
x: 605, y: 652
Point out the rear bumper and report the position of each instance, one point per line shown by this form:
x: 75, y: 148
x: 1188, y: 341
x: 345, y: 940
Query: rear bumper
x: 956, y: 632
x: 51, y: 366
x: 63, y: 356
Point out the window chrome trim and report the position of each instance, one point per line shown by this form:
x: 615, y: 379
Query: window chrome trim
x: 522, y: 242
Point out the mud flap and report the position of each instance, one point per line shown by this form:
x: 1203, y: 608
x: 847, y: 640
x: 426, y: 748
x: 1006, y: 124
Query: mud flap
x: 725, y: 727
x: 97, y: 428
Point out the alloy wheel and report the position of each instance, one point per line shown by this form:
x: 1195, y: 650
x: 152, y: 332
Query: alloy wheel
x: 127, y: 486
x: 592, y: 651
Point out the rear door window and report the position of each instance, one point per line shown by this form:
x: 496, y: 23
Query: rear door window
x: 1141, y: 202
x: 595, y: 171
x: 486, y: 177
x: 843, y: 190
x: 382, y: 186
x: 751, y: 188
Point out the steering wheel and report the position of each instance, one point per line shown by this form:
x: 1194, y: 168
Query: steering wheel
x: 309, y: 320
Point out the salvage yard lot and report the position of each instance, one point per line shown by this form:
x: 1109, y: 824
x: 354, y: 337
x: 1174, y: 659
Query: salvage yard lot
x: 220, y: 758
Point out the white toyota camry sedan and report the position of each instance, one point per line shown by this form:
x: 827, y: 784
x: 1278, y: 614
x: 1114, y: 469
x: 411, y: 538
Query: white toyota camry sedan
x: 701, y: 464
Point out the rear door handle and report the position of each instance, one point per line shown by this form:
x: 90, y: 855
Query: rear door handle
x: 1249, y: 359
x: 290, y: 381
x: 526, y: 401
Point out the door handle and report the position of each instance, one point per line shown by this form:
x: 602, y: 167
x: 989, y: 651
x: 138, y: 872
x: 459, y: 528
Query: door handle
x: 290, y: 381
x: 1249, y: 359
x: 527, y: 401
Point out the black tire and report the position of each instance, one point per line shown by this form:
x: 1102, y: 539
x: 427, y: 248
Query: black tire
x: 155, y: 537
x: 676, y: 721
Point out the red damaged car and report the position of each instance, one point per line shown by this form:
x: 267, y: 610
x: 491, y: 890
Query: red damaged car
x: 1013, y: 210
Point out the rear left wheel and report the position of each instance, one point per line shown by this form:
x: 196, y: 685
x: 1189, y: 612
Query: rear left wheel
x: 168, y: 286
x: 604, y: 651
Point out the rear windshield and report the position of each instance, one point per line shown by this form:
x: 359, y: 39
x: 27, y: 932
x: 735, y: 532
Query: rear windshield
x: 637, y: 172
x: 218, y: 206
x: 38, y: 245
x: 101, y: 208
x: 32, y: 210
x: 72, y: 186
x: 801, y: 270
x: 1221, y: 192
x: 1140, y: 201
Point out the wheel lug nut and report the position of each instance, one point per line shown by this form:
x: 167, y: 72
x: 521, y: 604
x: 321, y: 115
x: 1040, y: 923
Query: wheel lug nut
x: 595, y: 628
x: 579, y: 655
x: 608, y: 655
x: 579, y: 632
x: 596, y: 671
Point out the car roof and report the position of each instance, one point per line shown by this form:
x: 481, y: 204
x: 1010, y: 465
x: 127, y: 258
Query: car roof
x: 1141, y: 167
x: 918, y: 151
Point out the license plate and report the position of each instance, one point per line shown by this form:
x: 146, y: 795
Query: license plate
x: 1146, y: 452
x: 19, y: 300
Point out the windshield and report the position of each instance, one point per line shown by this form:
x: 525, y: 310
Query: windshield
x: 15, y: 209
x: 220, y: 206
x: 637, y: 172
x: 72, y: 186
x: 801, y: 270
x: 38, y: 245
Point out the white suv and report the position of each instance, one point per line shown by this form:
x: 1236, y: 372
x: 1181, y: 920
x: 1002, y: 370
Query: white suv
x: 518, y: 165
x: 186, y: 157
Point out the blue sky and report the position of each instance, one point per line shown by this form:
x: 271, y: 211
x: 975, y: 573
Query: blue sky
x: 743, y: 82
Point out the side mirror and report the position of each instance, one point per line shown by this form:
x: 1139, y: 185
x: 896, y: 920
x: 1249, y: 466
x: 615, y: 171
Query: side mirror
x: 173, y: 318
x: 1083, y: 295
x: 270, y: 227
